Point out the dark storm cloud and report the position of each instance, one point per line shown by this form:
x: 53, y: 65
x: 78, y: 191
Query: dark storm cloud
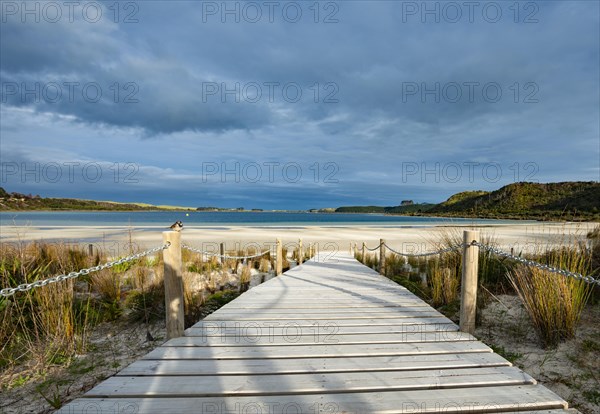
x: 367, y: 102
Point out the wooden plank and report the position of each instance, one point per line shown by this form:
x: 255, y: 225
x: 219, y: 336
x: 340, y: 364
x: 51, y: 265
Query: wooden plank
x: 296, y: 366
x: 483, y: 400
x: 344, y: 289
x: 315, y: 351
x: 409, y: 319
x: 278, y: 384
x: 318, y: 336
x: 310, y: 299
x: 250, y: 316
x: 255, y: 329
x: 324, y: 306
x: 312, y: 310
x: 324, y: 311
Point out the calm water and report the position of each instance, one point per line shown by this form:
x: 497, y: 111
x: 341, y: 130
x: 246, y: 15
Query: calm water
x: 223, y: 219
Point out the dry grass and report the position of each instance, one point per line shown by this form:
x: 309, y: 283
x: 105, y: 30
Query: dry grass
x: 108, y: 285
x: 245, y: 277
x: 554, y: 302
x: 45, y: 324
x: 264, y: 265
x: 48, y: 327
x: 193, y: 298
x: 444, y: 285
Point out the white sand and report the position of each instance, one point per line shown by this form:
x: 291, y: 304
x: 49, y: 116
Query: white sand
x: 519, y: 236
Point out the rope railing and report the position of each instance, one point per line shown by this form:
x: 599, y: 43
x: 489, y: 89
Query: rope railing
x: 374, y: 248
x: 437, y: 252
x: 222, y: 256
x: 39, y: 283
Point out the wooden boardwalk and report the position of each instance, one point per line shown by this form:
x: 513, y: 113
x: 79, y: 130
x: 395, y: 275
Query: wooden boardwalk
x: 330, y: 336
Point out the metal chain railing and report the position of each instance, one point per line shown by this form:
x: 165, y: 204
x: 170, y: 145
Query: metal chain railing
x: 552, y: 269
x: 39, y: 283
x: 501, y: 253
x: 223, y: 256
x: 441, y: 251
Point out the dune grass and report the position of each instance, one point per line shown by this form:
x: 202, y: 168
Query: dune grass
x: 49, y: 325
x: 554, y: 302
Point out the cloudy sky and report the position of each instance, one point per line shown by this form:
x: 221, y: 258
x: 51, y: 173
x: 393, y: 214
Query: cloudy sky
x: 296, y: 104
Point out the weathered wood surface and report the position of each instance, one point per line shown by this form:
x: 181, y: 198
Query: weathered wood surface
x: 330, y: 336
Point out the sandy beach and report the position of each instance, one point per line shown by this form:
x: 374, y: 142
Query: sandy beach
x: 527, y: 236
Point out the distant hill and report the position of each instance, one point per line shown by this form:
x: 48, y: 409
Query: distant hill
x: 18, y: 201
x: 554, y: 201
x: 527, y: 200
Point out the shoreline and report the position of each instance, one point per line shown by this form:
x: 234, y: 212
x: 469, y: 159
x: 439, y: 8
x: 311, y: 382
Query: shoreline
x: 549, y: 219
x: 523, y: 236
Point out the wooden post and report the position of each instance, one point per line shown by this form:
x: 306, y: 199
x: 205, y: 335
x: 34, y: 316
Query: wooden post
x: 300, y: 252
x: 222, y: 253
x: 173, y: 284
x: 381, y: 257
x: 468, y: 294
x: 90, y: 249
x: 279, y: 257
x: 362, y: 256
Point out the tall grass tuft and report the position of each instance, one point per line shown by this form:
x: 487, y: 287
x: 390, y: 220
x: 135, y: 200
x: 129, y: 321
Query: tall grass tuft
x: 245, y: 278
x: 554, y: 302
x: 285, y: 262
x: 193, y: 299
x: 264, y: 265
x: 46, y: 324
x: 444, y: 284
x: 444, y: 270
x: 371, y: 260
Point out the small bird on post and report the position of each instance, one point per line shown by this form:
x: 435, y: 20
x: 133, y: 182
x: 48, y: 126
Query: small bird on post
x: 177, y: 226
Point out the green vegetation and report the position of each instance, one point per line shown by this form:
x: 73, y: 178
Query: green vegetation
x: 17, y: 202
x: 567, y: 200
x: 553, y: 201
x: 509, y: 356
